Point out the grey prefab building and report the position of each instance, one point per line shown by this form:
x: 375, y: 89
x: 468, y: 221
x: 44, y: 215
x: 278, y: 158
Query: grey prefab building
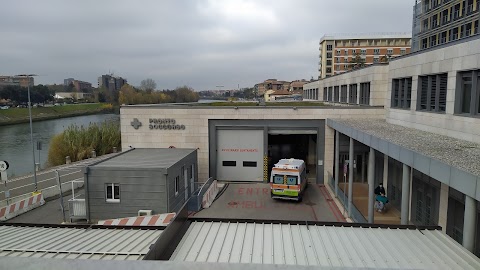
x: 160, y: 180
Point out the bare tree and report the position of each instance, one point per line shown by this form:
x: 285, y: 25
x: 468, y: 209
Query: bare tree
x: 148, y: 85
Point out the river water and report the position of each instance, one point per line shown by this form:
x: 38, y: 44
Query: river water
x: 16, y: 146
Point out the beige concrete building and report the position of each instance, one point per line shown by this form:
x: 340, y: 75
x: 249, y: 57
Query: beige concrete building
x: 437, y: 22
x: 271, y: 84
x: 340, y: 53
x: 16, y: 80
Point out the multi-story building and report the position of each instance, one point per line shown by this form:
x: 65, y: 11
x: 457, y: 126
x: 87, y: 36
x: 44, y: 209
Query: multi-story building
x: 110, y: 82
x: 340, y: 53
x: 79, y: 86
x: 22, y: 81
x: 436, y: 22
x: 271, y: 84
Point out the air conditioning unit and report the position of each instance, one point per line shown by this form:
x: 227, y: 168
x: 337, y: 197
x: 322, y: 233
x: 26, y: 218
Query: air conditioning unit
x: 145, y: 213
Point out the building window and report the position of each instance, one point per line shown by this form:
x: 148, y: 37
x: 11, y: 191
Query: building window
x: 345, y: 67
x: 329, y: 47
x: 467, y: 94
x: 376, y: 51
x: 329, y: 62
x: 354, y: 52
x: 346, y: 52
x: 432, y: 93
x: 365, y: 93
x: 353, y: 94
x: 338, y: 52
x: 336, y: 94
x: 112, y: 192
x: 330, y: 96
x: 229, y: 163
x: 249, y: 164
x: 376, y: 60
x: 337, y: 60
x: 343, y: 94
x: 328, y: 70
x: 325, y: 94
x: 403, y: 51
x: 177, y: 185
x: 389, y: 51
x: 402, y: 93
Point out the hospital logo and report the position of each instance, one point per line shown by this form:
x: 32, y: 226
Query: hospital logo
x: 135, y: 123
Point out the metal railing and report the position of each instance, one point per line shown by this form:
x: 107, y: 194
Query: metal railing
x: 76, y: 205
x: 195, y: 202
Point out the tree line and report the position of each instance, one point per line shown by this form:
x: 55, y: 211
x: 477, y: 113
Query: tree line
x: 19, y: 95
x: 130, y: 95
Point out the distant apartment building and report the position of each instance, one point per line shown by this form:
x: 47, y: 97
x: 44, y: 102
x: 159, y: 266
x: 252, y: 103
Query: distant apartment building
x: 271, y: 84
x: 16, y: 80
x: 79, y: 86
x: 436, y: 22
x: 337, y: 52
x: 297, y: 85
x: 110, y: 82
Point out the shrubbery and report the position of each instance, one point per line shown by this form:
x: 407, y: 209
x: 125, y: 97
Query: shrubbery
x: 78, y: 142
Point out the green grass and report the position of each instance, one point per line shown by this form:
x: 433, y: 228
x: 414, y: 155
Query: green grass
x: 14, y: 114
x: 268, y: 104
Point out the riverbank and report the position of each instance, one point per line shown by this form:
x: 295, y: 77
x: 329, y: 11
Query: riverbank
x: 20, y: 115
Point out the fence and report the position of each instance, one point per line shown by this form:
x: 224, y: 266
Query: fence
x: 195, y: 202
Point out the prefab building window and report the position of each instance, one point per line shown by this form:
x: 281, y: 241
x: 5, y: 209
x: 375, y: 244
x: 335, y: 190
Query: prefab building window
x: 336, y: 94
x: 343, y: 94
x: 177, y: 185
x: 112, y: 192
x: 325, y: 94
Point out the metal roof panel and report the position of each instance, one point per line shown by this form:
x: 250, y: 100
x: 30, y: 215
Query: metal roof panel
x: 321, y: 245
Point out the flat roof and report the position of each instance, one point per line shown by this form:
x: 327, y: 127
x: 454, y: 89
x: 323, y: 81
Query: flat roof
x: 322, y: 245
x: 457, y: 153
x: 451, y: 161
x: 384, y: 35
x: 142, y: 158
x: 76, y: 242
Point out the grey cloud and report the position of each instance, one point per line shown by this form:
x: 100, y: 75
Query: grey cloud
x: 200, y: 43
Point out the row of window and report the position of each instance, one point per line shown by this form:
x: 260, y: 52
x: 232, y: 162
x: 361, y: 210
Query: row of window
x: 348, y: 94
x: 230, y: 163
x: 362, y: 52
x: 450, y: 14
x: 455, y: 33
x: 432, y: 93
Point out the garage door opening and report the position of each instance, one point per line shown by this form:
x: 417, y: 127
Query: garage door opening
x: 299, y: 146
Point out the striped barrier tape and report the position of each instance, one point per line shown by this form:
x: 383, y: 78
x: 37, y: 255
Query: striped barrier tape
x: 154, y: 220
x: 20, y: 207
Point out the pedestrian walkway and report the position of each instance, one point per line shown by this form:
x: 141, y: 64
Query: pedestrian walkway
x: 360, y: 201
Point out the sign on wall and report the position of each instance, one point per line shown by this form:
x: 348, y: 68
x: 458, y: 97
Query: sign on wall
x: 159, y: 123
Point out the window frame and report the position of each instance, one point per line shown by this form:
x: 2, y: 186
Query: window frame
x: 353, y: 94
x: 364, y: 93
x: 474, y: 106
x: 113, y: 199
x: 433, y: 81
x: 404, y: 98
x: 177, y: 185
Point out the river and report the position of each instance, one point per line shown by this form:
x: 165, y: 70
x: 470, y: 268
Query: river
x: 16, y: 147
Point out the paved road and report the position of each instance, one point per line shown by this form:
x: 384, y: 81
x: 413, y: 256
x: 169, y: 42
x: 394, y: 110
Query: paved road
x: 253, y: 201
x: 25, y: 184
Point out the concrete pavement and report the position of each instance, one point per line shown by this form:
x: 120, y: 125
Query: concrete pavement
x: 253, y: 201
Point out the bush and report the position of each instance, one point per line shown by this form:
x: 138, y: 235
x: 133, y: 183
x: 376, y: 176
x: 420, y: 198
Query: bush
x: 78, y: 142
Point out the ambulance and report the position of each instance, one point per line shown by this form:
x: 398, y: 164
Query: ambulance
x: 288, y: 179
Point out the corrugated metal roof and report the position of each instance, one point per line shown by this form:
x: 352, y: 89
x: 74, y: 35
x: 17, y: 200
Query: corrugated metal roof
x: 146, y: 158
x: 328, y: 246
x: 76, y: 243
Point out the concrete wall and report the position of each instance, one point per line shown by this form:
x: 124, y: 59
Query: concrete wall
x: 449, y: 59
x: 139, y: 189
x: 195, y: 119
x: 377, y: 75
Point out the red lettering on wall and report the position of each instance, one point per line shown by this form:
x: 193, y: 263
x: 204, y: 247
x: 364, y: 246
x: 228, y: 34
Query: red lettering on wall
x: 240, y: 191
x: 239, y: 150
x: 249, y: 191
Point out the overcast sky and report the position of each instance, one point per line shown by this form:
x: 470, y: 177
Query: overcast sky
x: 200, y: 43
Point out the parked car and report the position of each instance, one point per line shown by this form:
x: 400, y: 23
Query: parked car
x: 5, y: 107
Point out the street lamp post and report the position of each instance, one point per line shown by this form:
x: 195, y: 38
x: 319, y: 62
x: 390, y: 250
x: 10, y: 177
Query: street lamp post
x: 31, y: 127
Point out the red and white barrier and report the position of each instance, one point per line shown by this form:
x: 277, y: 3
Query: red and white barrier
x: 154, y: 220
x: 20, y: 207
x: 210, y: 195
